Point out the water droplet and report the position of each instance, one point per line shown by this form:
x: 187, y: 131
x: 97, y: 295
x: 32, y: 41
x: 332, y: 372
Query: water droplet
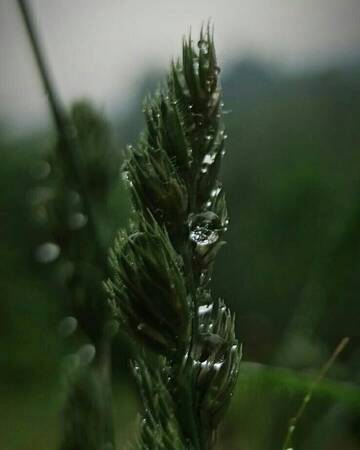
x: 215, y: 192
x: 223, y: 153
x: 218, y: 365
x: 217, y: 70
x: 208, y: 137
x: 141, y: 326
x: 203, y: 236
x: 209, y: 159
x: 77, y: 221
x: 67, y: 326
x: 205, y: 309
x: 190, y: 107
x: 47, y: 252
x: 205, y: 364
x: 204, y: 169
x: 86, y: 354
x: 203, y: 46
x: 208, y: 204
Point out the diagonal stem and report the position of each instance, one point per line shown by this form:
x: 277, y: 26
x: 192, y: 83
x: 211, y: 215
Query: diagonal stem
x: 69, y: 148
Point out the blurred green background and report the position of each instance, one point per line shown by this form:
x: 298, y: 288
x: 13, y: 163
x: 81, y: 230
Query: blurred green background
x: 290, y: 270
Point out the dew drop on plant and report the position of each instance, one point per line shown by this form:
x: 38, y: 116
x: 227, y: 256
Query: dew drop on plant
x: 209, y: 158
x: 223, y: 153
x: 203, y: 45
x: 203, y: 236
x: 205, y: 309
x: 217, y: 70
x: 218, y: 365
x: 86, y: 354
x: 215, y: 192
x: 141, y: 326
x: 77, y: 221
x: 205, y: 364
x: 204, y: 169
x: 47, y: 252
x: 67, y: 326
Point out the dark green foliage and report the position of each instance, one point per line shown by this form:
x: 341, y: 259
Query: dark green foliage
x: 161, y: 269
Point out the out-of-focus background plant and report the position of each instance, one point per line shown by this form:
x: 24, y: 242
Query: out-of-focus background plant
x: 291, y: 268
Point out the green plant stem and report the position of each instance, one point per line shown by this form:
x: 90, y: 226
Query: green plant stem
x: 68, y: 145
x: 68, y: 149
x: 295, y: 419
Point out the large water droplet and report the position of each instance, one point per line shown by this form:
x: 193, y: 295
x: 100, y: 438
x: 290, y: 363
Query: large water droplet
x: 205, y: 309
x: 47, y: 252
x: 203, y: 46
x: 86, y: 354
x: 203, y: 236
x: 67, y: 326
x: 209, y: 159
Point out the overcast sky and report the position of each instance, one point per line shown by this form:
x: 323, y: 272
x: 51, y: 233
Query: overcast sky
x: 103, y: 48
